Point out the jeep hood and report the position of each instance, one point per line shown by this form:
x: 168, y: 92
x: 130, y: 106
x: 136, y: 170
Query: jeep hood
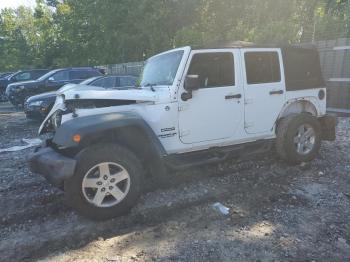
x: 94, y: 92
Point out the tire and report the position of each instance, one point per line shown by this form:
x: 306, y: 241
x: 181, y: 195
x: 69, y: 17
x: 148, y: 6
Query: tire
x: 87, y: 200
x: 298, y: 138
x: 3, y: 97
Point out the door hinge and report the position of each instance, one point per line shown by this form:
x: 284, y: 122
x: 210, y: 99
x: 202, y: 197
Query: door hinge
x: 184, y: 133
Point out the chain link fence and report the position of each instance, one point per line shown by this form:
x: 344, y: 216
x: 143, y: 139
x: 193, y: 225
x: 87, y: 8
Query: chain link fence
x: 132, y: 68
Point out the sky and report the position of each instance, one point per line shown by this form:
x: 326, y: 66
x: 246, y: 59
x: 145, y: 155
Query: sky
x: 16, y: 3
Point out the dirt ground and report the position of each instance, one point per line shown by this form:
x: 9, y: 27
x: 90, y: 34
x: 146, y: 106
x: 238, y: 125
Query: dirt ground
x: 277, y: 212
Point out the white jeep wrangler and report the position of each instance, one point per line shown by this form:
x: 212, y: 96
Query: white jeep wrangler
x: 193, y: 107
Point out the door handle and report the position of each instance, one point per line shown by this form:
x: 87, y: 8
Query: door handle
x: 238, y: 96
x: 278, y: 92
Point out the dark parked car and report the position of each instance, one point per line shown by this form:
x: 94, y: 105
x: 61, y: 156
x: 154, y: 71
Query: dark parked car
x: 38, y: 106
x: 52, y: 81
x: 4, y: 74
x: 20, y: 76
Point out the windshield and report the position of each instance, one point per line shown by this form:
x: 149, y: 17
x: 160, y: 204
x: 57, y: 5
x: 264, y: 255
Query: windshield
x: 90, y: 80
x: 161, y: 70
x: 47, y: 75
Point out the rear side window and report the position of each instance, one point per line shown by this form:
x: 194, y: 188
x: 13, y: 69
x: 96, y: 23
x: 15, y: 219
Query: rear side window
x: 262, y: 67
x: 61, y: 76
x: 127, y: 81
x: 77, y: 74
x: 92, y: 73
x: 213, y: 69
x: 107, y: 82
x: 37, y: 74
x: 302, y: 68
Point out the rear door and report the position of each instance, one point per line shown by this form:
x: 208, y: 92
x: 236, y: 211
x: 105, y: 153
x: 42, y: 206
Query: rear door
x: 264, y: 88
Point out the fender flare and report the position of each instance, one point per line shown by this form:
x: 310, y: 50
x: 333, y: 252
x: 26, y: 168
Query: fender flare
x: 89, y: 127
x: 301, y: 106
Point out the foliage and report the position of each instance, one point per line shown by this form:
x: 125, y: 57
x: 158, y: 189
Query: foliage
x: 58, y: 33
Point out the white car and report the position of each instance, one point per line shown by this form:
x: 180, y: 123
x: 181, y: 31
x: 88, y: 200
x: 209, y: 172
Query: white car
x: 193, y: 107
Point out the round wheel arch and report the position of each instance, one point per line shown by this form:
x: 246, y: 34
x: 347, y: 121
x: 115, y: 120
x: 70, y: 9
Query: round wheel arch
x: 298, y: 107
x: 135, y: 139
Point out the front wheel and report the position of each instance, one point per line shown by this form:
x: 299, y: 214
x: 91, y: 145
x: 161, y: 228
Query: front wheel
x: 107, y: 182
x: 298, y: 138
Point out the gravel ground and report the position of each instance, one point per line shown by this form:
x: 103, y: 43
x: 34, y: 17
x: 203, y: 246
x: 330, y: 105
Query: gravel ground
x: 277, y: 212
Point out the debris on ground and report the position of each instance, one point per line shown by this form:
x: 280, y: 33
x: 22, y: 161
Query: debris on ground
x: 28, y: 144
x: 221, y: 208
x: 277, y: 212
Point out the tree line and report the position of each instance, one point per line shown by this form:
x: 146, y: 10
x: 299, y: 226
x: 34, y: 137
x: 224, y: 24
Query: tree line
x: 59, y: 33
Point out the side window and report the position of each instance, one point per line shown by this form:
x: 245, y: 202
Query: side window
x: 23, y: 76
x: 213, y: 69
x: 98, y: 82
x: 61, y: 76
x: 76, y: 75
x: 262, y: 67
x: 127, y: 81
x: 107, y: 82
x: 92, y: 73
x: 37, y: 74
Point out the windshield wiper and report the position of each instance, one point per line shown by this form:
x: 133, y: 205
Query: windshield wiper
x: 151, y: 86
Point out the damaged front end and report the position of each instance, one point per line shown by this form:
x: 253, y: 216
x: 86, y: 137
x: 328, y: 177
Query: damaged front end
x: 68, y: 104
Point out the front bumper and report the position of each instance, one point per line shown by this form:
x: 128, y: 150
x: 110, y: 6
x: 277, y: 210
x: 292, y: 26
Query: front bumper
x: 328, y: 125
x: 52, y: 165
x: 36, y: 112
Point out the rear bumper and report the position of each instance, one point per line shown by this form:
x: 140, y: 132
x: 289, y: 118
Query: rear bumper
x: 328, y: 125
x: 53, y: 166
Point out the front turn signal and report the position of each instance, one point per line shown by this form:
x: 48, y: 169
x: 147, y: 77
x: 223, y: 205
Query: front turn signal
x: 76, y: 138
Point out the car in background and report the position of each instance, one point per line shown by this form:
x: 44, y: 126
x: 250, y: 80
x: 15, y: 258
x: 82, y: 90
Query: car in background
x: 37, y: 107
x: 4, y: 74
x: 51, y: 81
x: 20, y: 76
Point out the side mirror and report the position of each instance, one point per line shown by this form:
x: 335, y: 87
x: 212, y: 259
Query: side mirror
x: 192, y: 83
x: 51, y: 79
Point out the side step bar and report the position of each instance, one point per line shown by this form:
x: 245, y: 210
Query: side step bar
x: 217, y: 155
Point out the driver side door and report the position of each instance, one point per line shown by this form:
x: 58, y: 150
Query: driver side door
x: 216, y: 110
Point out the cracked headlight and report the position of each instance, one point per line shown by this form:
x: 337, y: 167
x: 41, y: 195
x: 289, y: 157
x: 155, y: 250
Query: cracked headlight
x: 56, y: 119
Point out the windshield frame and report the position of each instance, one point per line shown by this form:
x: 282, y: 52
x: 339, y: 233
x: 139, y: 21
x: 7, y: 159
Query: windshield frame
x: 144, y: 83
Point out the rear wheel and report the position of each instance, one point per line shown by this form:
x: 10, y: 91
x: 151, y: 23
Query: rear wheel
x: 107, y: 182
x: 298, y: 138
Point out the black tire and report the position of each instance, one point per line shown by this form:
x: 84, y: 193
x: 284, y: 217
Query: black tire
x: 92, y: 156
x: 286, y: 131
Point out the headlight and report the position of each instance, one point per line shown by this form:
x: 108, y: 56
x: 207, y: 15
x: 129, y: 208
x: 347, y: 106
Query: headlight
x: 36, y: 103
x: 56, y: 119
x: 18, y: 88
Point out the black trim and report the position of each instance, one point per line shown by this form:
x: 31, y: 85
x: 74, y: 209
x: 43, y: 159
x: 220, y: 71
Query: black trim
x: 52, y: 165
x: 91, y: 126
x: 328, y: 125
x: 217, y: 154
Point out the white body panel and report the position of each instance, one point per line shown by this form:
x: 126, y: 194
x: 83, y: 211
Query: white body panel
x: 209, y: 115
x: 208, y: 119
x: 261, y: 107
